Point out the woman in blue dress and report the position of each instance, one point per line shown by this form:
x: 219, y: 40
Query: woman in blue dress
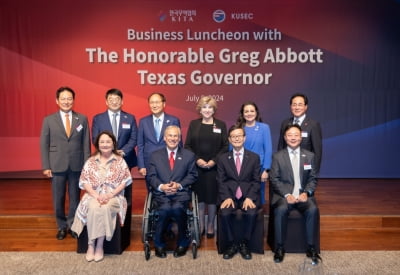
x: 258, y: 139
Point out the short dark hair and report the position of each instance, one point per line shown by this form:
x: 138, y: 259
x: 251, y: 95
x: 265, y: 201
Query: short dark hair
x: 163, y: 99
x: 111, y: 135
x: 289, y: 126
x: 235, y: 127
x: 299, y: 95
x: 114, y: 92
x: 64, y: 88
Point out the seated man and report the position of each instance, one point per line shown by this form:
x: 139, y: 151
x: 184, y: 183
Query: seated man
x: 172, y: 171
x: 293, y: 182
x: 238, y: 189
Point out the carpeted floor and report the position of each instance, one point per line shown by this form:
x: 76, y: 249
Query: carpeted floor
x: 208, y: 262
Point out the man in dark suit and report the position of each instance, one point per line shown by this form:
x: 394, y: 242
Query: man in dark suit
x: 310, y: 129
x: 64, y: 147
x: 172, y: 171
x: 238, y: 177
x: 125, y: 129
x: 151, y: 131
x: 293, y: 182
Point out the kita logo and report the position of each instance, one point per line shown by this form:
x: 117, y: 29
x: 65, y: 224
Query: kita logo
x: 219, y: 16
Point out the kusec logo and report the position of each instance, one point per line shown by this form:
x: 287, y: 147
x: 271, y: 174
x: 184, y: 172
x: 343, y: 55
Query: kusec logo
x: 219, y: 16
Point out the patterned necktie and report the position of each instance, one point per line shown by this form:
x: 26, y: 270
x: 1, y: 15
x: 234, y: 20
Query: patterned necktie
x: 297, y: 121
x: 67, y: 125
x: 238, y: 165
x: 171, y: 160
x: 114, y: 125
x: 296, y: 174
x: 157, y: 128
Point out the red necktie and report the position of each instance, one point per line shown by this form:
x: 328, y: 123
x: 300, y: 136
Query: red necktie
x: 171, y: 160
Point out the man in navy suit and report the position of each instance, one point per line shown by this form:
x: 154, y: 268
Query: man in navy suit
x: 310, y: 129
x: 125, y: 130
x: 172, y: 171
x: 64, y: 148
x: 151, y: 131
x: 238, y: 177
x: 293, y: 182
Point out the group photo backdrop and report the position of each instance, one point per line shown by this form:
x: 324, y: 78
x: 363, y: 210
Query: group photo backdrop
x: 344, y: 55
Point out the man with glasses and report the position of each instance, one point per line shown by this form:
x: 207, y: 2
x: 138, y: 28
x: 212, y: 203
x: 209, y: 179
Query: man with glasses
x: 238, y: 177
x: 311, y: 133
x: 151, y: 131
x: 120, y: 123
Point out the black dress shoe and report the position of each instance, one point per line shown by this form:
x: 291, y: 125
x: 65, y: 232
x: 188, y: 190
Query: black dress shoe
x: 61, y: 234
x: 279, y: 254
x: 312, y: 253
x: 210, y: 235
x: 73, y: 234
x: 245, y: 251
x: 160, y: 252
x: 180, y: 251
x: 230, y: 252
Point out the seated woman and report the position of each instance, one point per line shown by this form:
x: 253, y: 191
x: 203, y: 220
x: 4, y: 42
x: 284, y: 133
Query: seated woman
x: 104, y: 178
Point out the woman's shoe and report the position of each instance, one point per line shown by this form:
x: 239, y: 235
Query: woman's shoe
x: 90, y: 253
x: 99, y: 255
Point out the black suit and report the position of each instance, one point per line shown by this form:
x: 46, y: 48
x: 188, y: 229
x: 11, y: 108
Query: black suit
x: 172, y: 206
x: 282, y: 183
x: 311, y: 138
x: 228, y: 181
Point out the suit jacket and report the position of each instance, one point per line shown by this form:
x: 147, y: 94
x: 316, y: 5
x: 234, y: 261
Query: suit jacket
x: 147, y: 141
x: 58, y: 152
x: 311, y: 138
x: 219, y: 139
x: 184, y: 172
x: 281, y: 174
x: 127, y: 133
x: 248, y: 179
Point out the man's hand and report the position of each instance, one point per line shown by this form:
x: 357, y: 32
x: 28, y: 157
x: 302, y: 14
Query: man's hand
x: 228, y: 203
x: 303, y: 197
x: 170, y: 188
x: 47, y: 173
x: 291, y: 199
x: 248, y: 204
x: 143, y: 171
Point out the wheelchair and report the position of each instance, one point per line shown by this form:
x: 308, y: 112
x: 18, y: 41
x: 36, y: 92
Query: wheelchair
x: 149, y: 223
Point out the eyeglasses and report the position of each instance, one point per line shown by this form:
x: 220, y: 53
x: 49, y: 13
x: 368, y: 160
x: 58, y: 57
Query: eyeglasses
x: 298, y: 105
x: 237, y: 137
x: 114, y: 99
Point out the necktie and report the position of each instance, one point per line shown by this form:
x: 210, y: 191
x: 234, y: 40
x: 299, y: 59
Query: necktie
x: 237, y: 162
x: 297, y: 121
x: 114, y: 125
x: 171, y: 160
x: 296, y: 174
x: 67, y: 125
x: 157, y: 128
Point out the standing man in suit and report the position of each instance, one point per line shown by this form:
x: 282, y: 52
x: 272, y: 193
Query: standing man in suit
x: 238, y: 177
x: 64, y: 147
x: 151, y: 131
x: 125, y: 129
x: 172, y: 171
x: 311, y: 133
x: 293, y: 182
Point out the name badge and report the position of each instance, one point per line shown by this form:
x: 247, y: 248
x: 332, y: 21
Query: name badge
x: 304, y: 134
x: 307, y: 166
x: 126, y: 126
x: 217, y: 130
x: 79, y: 128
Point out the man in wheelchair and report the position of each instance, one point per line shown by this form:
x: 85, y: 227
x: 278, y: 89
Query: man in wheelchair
x: 172, y: 171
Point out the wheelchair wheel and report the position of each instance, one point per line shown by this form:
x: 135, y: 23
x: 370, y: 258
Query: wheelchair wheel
x: 194, y: 250
x: 147, y: 251
x: 196, y: 227
x: 145, y: 222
